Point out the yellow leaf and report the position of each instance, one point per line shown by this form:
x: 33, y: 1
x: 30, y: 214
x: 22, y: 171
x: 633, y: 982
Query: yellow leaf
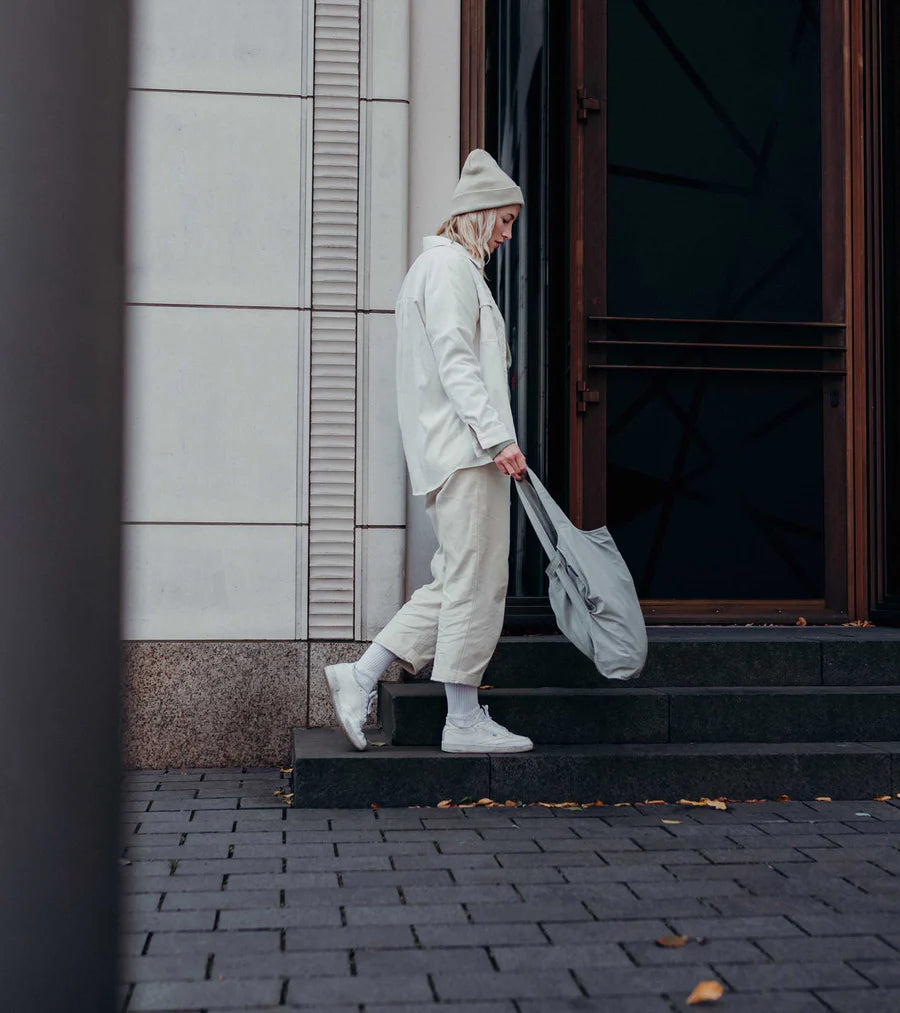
x: 671, y: 821
x: 705, y: 991
x: 784, y: 798
x: 823, y: 798
x: 671, y: 942
x: 714, y: 803
x: 485, y: 686
x: 882, y: 798
x: 485, y: 801
x: 286, y: 770
x: 509, y: 802
x: 445, y: 804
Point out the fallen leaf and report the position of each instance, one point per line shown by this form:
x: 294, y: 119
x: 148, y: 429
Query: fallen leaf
x: 653, y: 801
x: 377, y: 743
x: 882, y: 798
x: 286, y: 770
x: 486, y: 686
x: 801, y: 621
x: 598, y: 802
x: 466, y: 805
x: 509, y: 802
x: 784, y: 798
x: 756, y: 800
x: 445, y: 804
x: 671, y: 821
x: 714, y: 803
x: 823, y: 798
x: 485, y: 801
x: 617, y: 804
x: 671, y: 942
x: 705, y: 991
x: 374, y: 805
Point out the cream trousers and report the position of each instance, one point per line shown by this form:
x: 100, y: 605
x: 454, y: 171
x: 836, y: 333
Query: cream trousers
x: 457, y: 618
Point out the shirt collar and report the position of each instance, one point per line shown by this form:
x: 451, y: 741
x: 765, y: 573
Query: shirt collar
x: 431, y: 241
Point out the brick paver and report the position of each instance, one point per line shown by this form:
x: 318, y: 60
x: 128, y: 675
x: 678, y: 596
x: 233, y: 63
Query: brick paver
x: 231, y: 901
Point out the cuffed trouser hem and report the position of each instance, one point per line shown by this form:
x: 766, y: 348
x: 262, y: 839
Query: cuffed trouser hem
x: 456, y: 619
x: 409, y: 660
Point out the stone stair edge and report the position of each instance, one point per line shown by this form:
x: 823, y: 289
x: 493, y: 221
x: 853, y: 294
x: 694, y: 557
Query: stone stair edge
x: 334, y: 745
x: 426, y: 688
x: 726, y: 633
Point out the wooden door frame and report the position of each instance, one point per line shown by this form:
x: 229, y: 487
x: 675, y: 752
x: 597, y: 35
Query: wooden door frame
x: 866, y: 83
x: 472, y: 19
x: 859, y: 129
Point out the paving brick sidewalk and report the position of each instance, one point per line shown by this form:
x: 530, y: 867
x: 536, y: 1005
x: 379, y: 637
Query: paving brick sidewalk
x: 232, y: 901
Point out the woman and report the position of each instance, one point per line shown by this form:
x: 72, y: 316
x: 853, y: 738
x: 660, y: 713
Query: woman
x: 460, y: 445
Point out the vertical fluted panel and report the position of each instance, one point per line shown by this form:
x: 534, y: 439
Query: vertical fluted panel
x: 332, y: 431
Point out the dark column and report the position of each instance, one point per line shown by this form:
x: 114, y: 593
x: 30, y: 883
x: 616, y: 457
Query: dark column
x: 63, y: 80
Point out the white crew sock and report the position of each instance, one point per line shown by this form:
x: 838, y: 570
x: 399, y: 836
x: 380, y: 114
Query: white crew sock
x: 372, y: 666
x: 462, y: 703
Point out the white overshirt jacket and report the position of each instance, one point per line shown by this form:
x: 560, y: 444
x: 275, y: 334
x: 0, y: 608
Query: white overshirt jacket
x: 453, y: 359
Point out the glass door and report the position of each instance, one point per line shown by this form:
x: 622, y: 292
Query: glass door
x: 708, y: 326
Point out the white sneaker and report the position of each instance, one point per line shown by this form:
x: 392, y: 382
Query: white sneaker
x: 351, y: 701
x: 483, y: 736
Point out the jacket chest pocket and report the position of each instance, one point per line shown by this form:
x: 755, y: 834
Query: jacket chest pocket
x: 493, y: 329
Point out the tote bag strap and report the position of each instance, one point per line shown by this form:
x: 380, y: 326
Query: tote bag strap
x: 540, y: 520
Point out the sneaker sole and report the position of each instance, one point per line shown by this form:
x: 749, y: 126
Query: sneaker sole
x: 487, y: 749
x: 346, y: 728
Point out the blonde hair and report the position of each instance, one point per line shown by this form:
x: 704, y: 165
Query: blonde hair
x: 473, y: 229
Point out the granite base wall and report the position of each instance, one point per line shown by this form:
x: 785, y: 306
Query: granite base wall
x: 224, y: 703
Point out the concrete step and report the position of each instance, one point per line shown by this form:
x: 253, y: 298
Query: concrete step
x: 328, y: 773
x: 412, y: 714
x: 715, y: 656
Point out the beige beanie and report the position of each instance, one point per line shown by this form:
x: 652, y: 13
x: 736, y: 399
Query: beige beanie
x: 483, y: 184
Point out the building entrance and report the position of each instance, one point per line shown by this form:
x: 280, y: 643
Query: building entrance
x: 700, y: 296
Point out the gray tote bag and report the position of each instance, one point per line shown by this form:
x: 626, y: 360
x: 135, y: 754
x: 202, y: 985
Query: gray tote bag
x: 591, y: 590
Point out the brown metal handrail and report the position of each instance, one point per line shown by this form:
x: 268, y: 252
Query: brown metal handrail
x: 721, y: 323
x: 709, y: 345
x: 715, y: 369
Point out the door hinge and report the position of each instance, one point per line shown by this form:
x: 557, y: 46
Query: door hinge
x: 586, y: 103
x: 585, y: 397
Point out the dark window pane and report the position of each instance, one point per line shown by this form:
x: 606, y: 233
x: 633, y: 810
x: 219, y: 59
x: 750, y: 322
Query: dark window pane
x: 714, y: 200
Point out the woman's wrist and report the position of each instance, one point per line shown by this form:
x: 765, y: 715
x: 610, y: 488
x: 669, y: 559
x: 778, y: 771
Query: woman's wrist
x: 493, y: 451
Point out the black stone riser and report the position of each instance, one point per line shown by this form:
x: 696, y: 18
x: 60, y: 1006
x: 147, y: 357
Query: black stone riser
x: 704, y: 656
x: 328, y: 773
x: 412, y: 714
